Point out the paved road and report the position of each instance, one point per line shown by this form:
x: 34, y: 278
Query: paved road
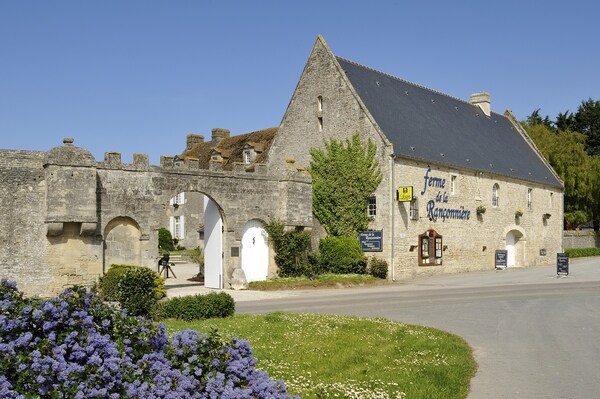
x: 533, y: 335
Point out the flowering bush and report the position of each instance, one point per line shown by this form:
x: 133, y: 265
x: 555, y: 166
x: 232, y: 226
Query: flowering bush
x: 76, y: 346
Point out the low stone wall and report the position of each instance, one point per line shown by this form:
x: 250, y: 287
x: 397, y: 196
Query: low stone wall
x: 581, y: 239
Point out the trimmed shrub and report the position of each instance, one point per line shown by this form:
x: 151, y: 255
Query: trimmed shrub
x: 137, y: 290
x: 581, y: 252
x: 378, y: 267
x: 77, y: 346
x: 165, y: 240
x: 342, y: 255
x: 108, y: 285
x: 198, y: 307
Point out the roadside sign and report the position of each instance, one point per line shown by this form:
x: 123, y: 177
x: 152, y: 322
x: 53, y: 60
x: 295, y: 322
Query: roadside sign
x: 562, y: 263
x: 371, y: 241
x: 501, y: 258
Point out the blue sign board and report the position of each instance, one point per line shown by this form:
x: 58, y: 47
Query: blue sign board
x: 371, y: 241
x: 501, y: 258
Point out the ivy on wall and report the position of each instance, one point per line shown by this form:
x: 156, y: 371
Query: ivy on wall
x: 344, y: 176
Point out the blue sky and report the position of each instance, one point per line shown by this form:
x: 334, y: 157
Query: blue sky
x: 138, y: 76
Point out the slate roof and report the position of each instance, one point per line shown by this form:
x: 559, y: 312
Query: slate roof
x: 429, y: 126
x: 232, y: 148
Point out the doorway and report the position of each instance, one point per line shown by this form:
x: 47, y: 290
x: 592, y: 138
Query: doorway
x: 255, y: 251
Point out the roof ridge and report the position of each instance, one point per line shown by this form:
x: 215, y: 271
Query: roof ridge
x: 409, y: 82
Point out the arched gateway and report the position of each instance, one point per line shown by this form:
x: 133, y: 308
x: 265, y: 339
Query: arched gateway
x: 110, y: 212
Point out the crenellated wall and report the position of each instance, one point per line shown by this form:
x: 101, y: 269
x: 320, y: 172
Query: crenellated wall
x: 66, y: 215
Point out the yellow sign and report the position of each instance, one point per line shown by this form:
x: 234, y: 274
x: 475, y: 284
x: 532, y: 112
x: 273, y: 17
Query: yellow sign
x: 404, y: 194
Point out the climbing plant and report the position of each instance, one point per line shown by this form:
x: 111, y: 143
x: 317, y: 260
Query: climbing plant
x: 344, y: 175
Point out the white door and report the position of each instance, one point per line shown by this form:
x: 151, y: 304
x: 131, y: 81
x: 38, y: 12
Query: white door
x: 213, y: 245
x: 510, y: 249
x: 255, y: 251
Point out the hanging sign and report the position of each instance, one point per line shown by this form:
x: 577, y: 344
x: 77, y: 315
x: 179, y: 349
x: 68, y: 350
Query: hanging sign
x: 404, y: 194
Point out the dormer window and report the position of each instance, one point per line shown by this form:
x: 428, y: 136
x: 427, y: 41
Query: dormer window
x: 247, y: 157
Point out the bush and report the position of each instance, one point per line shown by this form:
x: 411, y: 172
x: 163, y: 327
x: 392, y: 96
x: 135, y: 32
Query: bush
x: 378, y: 267
x: 581, y: 252
x: 342, y: 255
x: 137, y: 290
x: 165, y: 240
x: 292, y: 250
x: 77, y: 346
x: 198, y: 307
x: 108, y: 285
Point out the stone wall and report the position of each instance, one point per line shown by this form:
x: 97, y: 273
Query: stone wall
x: 581, y: 239
x: 469, y: 243
x: 68, y: 217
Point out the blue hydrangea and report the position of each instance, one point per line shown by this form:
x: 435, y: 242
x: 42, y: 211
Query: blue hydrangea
x: 76, y: 346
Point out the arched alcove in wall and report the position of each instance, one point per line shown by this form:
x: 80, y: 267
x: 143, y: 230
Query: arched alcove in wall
x: 255, y: 251
x: 515, y: 247
x: 122, y: 242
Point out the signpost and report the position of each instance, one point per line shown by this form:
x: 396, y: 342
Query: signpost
x: 562, y: 264
x: 371, y: 241
x: 501, y: 258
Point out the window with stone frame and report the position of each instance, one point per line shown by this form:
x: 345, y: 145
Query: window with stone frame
x: 247, y: 157
x: 372, y: 206
x: 414, y: 209
x: 496, y: 195
x: 529, y: 198
x: 430, y: 249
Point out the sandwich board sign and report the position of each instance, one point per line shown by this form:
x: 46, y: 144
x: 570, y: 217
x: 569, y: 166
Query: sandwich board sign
x: 501, y: 258
x: 562, y: 263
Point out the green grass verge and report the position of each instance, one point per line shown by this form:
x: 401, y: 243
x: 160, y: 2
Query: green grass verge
x: 581, y: 252
x: 326, y: 356
x: 322, y: 280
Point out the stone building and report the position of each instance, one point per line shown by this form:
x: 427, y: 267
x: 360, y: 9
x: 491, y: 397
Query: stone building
x: 472, y: 180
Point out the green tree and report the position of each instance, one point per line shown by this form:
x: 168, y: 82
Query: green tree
x: 344, y: 176
x: 587, y: 121
x: 565, y: 151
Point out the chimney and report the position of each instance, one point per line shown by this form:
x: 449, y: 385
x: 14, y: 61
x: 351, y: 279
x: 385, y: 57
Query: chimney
x: 218, y: 134
x: 192, y: 140
x: 482, y: 100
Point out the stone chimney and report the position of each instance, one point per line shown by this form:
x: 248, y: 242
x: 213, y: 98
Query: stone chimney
x: 218, y: 134
x: 482, y: 100
x: 193, y: 139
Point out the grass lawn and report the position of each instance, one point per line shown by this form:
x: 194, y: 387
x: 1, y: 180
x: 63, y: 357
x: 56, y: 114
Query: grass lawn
x: 322, y: 280
x: 327, y: 356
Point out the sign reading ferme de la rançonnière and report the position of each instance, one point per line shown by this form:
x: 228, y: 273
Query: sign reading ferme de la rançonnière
x: 436, y: 207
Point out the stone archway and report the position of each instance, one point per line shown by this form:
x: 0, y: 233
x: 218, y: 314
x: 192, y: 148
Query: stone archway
x: 122, y: 242
x: 255, y: 251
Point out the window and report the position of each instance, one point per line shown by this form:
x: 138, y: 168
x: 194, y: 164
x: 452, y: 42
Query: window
x: 551, y: 200
x: 495, y: 195
x: 319, y: 103
x: 372, y: 206
x: 414, y: 209
x: 320, y: 121
x: 178, y: 199
x: 247, y: 157
x: 529, y: 198
x: 430, y: 248
x: 178, y: 227
x: 452, y: 184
